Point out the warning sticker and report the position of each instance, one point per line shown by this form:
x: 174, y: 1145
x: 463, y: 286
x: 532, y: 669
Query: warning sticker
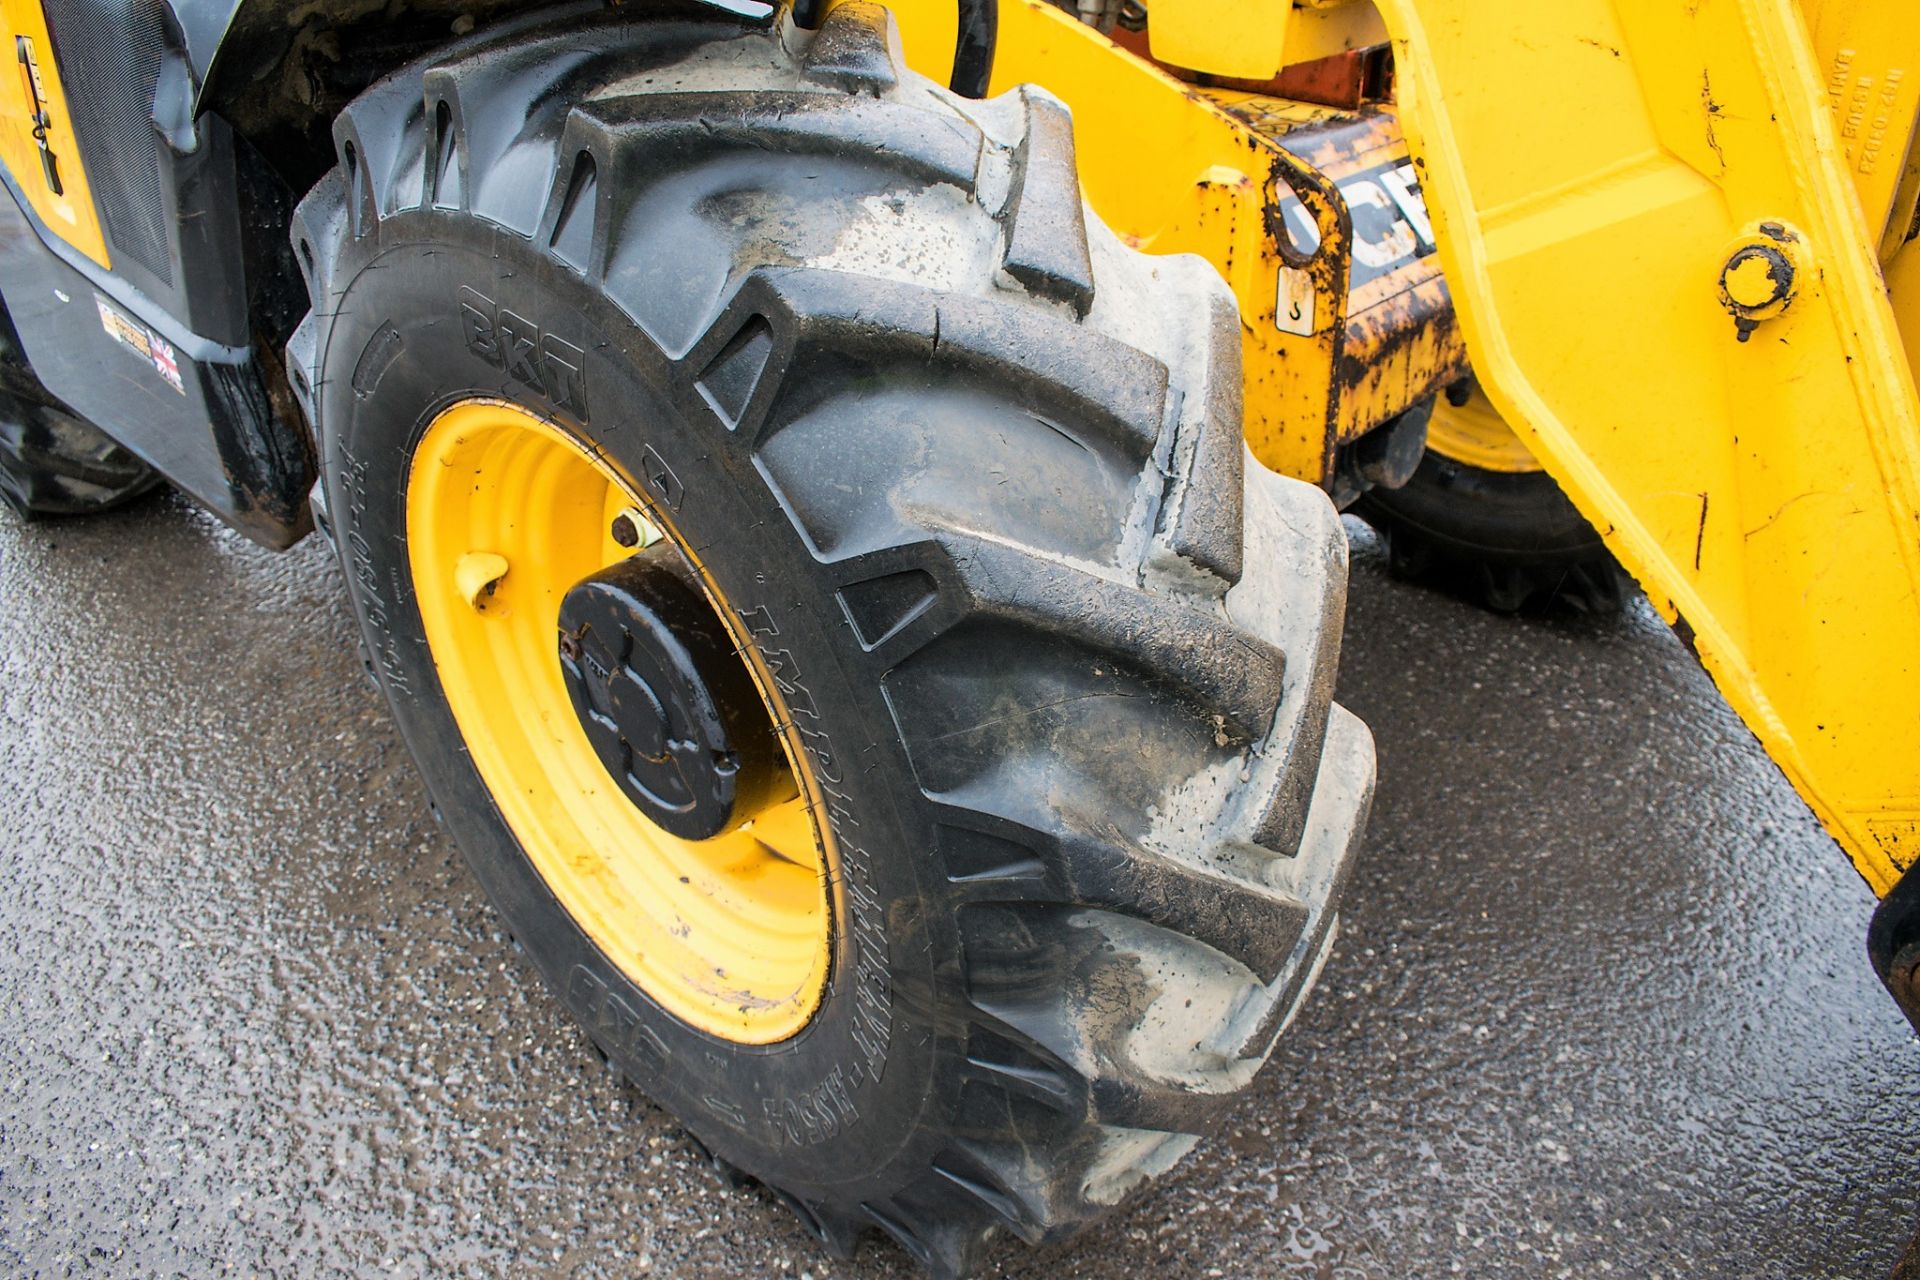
x: 123, y: 329
x: 142, y: 341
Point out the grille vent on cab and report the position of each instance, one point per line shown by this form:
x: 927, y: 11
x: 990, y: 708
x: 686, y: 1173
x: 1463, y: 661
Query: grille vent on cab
x: 109, y: 55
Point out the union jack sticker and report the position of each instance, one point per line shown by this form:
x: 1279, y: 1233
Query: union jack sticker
x: 164, y: 360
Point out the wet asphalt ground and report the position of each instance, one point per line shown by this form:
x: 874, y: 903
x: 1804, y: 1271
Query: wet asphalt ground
x: 1601, y: 1007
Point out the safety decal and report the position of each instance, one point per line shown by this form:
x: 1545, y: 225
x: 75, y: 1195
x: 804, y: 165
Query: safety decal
x: 142, y: 341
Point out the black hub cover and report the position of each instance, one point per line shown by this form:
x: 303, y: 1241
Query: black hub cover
x: 665, y: 700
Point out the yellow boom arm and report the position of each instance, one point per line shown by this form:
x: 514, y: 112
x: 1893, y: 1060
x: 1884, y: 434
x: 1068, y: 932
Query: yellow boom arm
x: 1616, y: 187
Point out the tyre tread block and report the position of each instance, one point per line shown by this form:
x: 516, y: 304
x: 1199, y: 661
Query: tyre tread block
x: 852, y: 51
x: 1204, y: 509
x: 1056, y: 856
x: 1046, y: 228
x: 1099, y: 392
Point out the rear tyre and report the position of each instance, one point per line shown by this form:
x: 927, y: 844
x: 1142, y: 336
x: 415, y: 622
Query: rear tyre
x: 1479, y: 518
x: 962, y: 477
x: 52, y: 462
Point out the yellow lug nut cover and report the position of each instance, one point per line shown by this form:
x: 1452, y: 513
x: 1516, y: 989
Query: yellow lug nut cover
x: 475, y: 574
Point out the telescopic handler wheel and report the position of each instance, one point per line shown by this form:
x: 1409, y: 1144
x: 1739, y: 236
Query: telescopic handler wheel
x: 816, y: 568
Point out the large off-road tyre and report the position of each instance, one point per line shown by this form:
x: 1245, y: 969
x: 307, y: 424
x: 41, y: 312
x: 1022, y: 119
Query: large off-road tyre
x: 1481, y: 519
x: 52, y: 461
x: 963, y: 479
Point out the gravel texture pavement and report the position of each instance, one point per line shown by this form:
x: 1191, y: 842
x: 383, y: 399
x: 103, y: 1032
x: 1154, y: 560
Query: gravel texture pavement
x: 1601, y: 1006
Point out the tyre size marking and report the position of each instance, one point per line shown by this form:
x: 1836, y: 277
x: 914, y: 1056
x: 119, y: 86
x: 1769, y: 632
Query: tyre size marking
x: 385, y: 649
x: 817, y: 1114
x: 549, y: 367
x: 814, y: 1116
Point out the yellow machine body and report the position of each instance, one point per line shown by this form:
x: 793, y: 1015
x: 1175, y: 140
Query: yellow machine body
x: 37, y: 144
x: 1676, y: 241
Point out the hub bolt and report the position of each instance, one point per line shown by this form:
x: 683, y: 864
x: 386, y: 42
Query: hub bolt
x: 634, y: 530
x: 1761, y: 275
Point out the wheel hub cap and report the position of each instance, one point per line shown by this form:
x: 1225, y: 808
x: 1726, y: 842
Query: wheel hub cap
x: 661, y: 697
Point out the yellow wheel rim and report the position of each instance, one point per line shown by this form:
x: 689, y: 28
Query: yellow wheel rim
x: 1476, y: 434
x: 505, y: 513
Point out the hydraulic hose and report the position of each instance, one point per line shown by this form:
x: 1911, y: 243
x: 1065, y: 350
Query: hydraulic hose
x: 973, y: 47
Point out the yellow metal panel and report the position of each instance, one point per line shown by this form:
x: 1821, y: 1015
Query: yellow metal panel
x: 1869, y: 51
x: 1591, y: 165
x: 1903, y: 290
x: 1241, y: 38
x: 25, y: 122
x: 1253, y: 39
